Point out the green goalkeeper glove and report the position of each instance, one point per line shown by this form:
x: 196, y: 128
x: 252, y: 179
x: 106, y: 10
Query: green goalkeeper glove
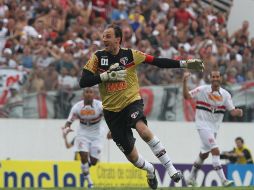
x: 194, y: 64
x: 115, y: 73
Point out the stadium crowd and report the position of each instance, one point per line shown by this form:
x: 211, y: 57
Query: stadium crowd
x: 51, y: 40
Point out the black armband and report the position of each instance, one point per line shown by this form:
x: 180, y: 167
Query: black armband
x: 165, y: 63
x: 88, y: 79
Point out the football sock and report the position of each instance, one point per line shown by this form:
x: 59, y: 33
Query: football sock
x: 196, y: 166
x: 144, y: 165
x: 160, y: 152
x: 218, y: 168
x: 85, y: 168
x: 85, y: 171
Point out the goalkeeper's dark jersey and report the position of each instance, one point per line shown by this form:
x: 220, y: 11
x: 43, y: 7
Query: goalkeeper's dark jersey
x: 117, y: 95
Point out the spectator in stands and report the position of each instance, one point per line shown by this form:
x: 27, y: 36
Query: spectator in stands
x: 43, y: 59
x: 182, y: 15
x: 3, y: 35
x: 178, y: 22
x: 65, y: 81
x: 136, y: 19
x: 55, y: 19
x: 120, y: 13
x: 27, y: 59
x: 242, y: 32
x: 50, y: 78
x: 35, y: 84
x: 7, y: 59
x: 4, y: 10
x: 166, y: 50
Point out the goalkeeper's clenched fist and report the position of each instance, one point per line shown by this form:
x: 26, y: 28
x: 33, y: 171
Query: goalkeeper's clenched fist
x: 115, y: 73
x: 194, y: 64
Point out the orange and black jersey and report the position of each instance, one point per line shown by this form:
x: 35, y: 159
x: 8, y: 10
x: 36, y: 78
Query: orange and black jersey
x: 117, y: 95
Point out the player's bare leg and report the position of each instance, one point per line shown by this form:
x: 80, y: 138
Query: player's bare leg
x: 158, y: 150
x: 196, y: 166
x: 218, y: 168
x: 137, y: 160
x: 85, y: 168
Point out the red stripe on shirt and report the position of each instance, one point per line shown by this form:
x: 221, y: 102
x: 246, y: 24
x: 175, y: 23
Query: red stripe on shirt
x: 209, y: 105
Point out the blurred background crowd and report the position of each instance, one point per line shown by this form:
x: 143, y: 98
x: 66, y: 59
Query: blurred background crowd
x: 51, y: 40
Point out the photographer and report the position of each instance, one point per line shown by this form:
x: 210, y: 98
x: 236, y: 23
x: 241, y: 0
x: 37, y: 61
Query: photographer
x: 240, y: 154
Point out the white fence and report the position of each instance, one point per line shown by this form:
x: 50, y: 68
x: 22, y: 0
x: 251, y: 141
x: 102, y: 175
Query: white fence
x: 42, y: 140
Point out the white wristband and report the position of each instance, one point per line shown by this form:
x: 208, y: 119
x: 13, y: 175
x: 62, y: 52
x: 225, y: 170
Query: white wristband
x: 183, y: 64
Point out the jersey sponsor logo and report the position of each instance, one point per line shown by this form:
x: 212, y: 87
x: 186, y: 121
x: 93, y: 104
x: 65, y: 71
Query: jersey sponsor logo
x: 124, y: 60
x: 215, y: 98
x: 116, y: 86
x: 87, y: 112
x: 134, y: 115
x: 104, y: 61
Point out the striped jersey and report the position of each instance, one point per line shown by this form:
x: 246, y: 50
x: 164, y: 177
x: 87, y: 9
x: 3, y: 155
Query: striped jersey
x: 210, y: 106
x: 89, y: 117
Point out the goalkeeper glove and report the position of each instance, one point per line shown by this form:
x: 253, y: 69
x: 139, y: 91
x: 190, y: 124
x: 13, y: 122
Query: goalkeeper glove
x: 195, y: 64
x: 115, y: 73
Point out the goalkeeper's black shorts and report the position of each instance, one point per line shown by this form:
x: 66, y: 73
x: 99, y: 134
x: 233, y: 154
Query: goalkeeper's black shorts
x: 120, y: 124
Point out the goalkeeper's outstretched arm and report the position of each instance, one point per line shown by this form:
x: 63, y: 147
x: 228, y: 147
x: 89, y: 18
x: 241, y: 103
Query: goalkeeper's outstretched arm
x: 195, y: 64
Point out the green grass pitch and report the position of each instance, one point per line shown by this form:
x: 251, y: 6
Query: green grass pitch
x: 129, y: 188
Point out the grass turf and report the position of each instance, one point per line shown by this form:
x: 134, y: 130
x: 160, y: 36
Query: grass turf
x: 129, y: 188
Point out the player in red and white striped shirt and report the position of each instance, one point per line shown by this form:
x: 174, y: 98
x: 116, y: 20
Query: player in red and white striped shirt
x: 89, y: 139
x: 211, y: 103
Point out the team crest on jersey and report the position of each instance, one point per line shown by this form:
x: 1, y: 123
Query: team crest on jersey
x: 124, y: 60
x: 120, y: 147
x: 134, y: 115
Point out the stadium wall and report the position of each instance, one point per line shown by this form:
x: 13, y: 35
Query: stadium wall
x: 42, y: 140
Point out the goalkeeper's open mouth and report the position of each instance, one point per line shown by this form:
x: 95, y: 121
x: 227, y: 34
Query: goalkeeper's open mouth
x: 106, y: 45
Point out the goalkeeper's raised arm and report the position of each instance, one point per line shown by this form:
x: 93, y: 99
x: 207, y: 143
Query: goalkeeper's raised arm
x: 117, y: 72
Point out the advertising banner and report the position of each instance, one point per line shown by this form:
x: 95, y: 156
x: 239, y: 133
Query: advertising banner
x: 243, y: 175
x: 8, y: 78
x: 206, y: 176
x: 48, y: 174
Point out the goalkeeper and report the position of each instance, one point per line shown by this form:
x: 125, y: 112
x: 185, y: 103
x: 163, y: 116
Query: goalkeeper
x: 114, y: 69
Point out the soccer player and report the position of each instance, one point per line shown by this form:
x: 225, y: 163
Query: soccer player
x: 114, y: 69
x: 211, y: 103
x: 88, y: 141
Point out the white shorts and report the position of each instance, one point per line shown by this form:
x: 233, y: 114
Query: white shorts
x: 93, y: 147
x: 208, y: 140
